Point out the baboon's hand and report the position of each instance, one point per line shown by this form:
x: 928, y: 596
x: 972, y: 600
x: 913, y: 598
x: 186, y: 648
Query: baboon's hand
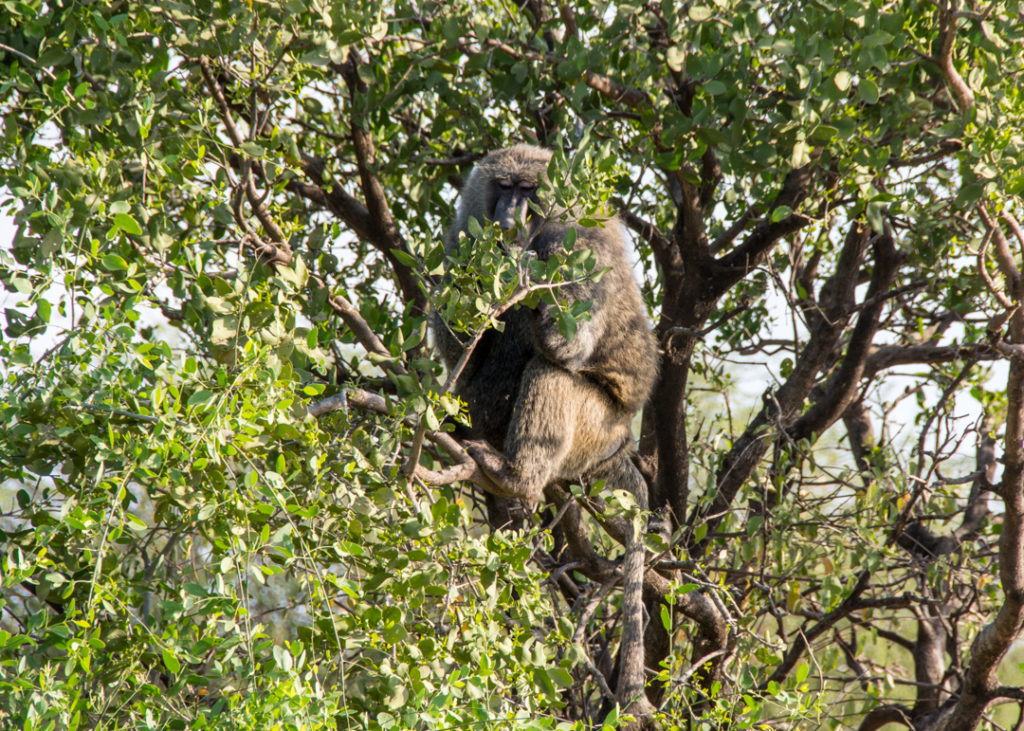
x: 490, y: 459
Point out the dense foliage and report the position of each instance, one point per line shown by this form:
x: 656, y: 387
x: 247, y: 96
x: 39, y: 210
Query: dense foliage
x: 229, y: 494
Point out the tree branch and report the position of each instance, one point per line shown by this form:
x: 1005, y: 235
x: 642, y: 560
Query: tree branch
x: 385, y: 235
x: 980, y: 682
x: 805, y: 637
x: 248, y: 187
x: 839, y: 391
x: 876, y: 718
x: 735, y: 265
x: 782, y: 407
x: 947, y: 11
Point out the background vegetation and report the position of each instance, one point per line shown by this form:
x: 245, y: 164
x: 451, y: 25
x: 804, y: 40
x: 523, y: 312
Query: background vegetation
x: 227, y: 212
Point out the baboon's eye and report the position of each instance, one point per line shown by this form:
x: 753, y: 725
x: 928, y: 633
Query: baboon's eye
x: 505, y: 184
x: 527, y: 187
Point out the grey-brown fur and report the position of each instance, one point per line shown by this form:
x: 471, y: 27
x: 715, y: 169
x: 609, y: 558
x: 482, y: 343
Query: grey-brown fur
x: 558, y: 409
x: 546, y: 408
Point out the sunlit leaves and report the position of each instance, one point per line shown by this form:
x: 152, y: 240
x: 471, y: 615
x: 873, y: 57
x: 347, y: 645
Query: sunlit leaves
x: 183, y: 540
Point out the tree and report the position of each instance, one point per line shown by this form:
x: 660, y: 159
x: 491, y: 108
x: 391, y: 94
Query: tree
x: 231, y: 495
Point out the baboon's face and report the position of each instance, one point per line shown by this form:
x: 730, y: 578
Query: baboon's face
x: 511, y: 201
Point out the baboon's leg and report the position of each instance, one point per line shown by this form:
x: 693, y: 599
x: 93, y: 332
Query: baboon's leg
x: 540, y: 433
x: 619, y: 473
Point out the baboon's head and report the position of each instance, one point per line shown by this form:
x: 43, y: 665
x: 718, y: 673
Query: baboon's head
x: 505, y: 182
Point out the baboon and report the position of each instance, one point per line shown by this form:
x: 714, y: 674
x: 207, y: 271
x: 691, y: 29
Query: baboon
x: 551, y: 408
x: 544, y: 408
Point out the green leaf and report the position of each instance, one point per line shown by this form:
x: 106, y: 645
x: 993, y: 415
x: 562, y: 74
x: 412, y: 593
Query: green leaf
x: 127, y: 223
x: 878, y: 38
x: 199, y: 397
x: 170, y: 661
x: 868, y: 91
x: 711, y: 136
x: 969, y: 194
x: 404, y: 258
x: 253, y: 149
x: 802, y: 672
x: 113, y: 263
x: 561, y: 677
x: 823, y: 133
x: 715, y: 87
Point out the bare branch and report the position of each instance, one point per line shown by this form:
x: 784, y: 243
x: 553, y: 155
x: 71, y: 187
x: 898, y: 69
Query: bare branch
x: 805, y: 637
x: 257, y: 205
x: 884, y: 715
x: 736, y: 264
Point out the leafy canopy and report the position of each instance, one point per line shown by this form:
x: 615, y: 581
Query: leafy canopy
x: 225, y: 212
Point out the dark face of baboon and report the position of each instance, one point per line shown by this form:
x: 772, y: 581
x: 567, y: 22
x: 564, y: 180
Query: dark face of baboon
x: 558, y: 407
x: 509, y: 199
x: 512, y: 203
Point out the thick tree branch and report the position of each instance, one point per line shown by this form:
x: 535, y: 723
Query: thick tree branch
x: 710, y: 175
x: 782, y: 407
x: 891, y: 356
x: 929, y: 660
x: 335, y: 199
x: 840, y: 390
x: 980, y: 683
x: 735, y: 265
x: 689, y: 231
x: 384, y: 233
x: 615, y: 91
x: 994, y: 640
x: 884, y: 715
x: 861, y: 434
x: 568, y: 17
x: 1004, y: 256
x: 947, y: 12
